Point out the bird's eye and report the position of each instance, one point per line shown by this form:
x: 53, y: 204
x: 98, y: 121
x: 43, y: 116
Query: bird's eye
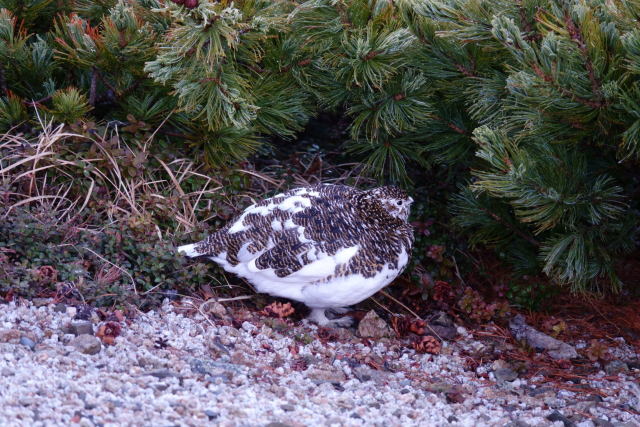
x: 399, y: 202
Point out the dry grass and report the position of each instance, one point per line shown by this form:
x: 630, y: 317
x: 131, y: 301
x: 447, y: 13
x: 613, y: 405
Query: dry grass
x: 38, y: 173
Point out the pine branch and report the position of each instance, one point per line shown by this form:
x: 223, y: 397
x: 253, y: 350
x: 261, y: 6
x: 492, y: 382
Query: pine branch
x: 566, y: 92
x: 38, y: 102
x: 450, y: 125
x: 517, y: 231
x: 576, y: 36
x: 3, y: 81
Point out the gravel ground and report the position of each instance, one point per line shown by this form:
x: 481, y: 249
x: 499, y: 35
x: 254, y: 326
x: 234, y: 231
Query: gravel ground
x: 168, y: 367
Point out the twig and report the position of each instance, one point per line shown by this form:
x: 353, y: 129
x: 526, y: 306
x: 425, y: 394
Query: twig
x: 412, y: 312
x: 133, y: 283
x: 37, y: 102
x: 144, y: 148
x: 520, y: 233
x: 455, y: 264
x: 3, y: 81
x: 382, y: 306
x: 92, y: 87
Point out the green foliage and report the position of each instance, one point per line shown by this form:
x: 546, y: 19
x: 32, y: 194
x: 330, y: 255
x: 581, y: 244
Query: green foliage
x: 532, y: 107
x: 12, y: 113
x: 530, y: 295
x: 120, y: 263
x: 69, y: 105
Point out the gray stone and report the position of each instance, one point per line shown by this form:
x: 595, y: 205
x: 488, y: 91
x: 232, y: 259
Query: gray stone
x: 616, y: 367
x: 372, y: 326
x: 28, y: 342
x: 162, y: 373
x: 601, y: 422
x: 211, y: 414
x: 445, y: 332
x: 326, y: 375
x: 40, y: 302
x: 212, y: 369
x: 68, y: 329
x: 557, y: 416
x: 540, y: 341
x: 249, y: 327
x: 362, y: 373
x: 217, y: 309
x: 6, y: 372
x: 277, y: 424
x: 441, y: 318
x: 60, y: 307
x: 287, y: 407
x: 86, y: 344
x: 82, y: 327
x: 504, y: 375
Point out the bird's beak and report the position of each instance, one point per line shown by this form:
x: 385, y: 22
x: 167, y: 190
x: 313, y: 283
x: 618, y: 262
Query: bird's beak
x: 410, y: 200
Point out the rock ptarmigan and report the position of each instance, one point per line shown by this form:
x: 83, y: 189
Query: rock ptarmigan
x: 327, y: 246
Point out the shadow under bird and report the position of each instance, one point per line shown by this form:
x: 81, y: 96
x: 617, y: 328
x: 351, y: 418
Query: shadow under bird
x: 327, y: 246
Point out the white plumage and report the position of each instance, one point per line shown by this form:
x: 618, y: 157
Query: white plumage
x: 327, y: 246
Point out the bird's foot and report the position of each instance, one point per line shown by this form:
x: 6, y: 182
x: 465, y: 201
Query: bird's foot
x: 319, y: 316
x: 339, y: 310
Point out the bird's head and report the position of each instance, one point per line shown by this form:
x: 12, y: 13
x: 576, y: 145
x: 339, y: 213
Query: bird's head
x: 393, y: 200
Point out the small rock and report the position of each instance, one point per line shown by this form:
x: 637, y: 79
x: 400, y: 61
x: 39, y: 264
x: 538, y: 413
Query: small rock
x: 440, y: 387
x: 362, y: 373
x: 277, y: 424
x: 633, y: 364
x: 518, y: 423
x: 372, y: 326
x: 212, y: 415
x: 541, y: 390
x: 249, y: 327
x: 6, y: 372
x: 441, y: 318
x: 557, y: 416
x: 86, y: 344
x: 287, y: 407
x: 500, y: 364
x: 540, y: 341
x: 616, y: 367
x: 601, y: 422
x: 28, y: 342
x: 40, y: 302
x: 329, y: 375
x: 60, y: 307
x: 162, y: 373
x: 7, y: 335
x: 447, y: 333
x: 217, y: 309
x: 82, y: 327
x: 505, y: 375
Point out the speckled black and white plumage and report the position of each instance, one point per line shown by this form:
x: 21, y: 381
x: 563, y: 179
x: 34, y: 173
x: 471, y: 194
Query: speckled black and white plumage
x: 328, y: 246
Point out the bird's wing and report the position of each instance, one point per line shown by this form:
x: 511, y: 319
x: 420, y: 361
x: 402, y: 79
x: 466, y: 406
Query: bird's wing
x: 300, y: 236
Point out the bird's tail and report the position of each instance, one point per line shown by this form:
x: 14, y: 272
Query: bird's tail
x: 189, y: 250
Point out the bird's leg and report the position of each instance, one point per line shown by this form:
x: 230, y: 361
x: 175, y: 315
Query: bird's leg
x: 319, y: 316
x: 340, y: 310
